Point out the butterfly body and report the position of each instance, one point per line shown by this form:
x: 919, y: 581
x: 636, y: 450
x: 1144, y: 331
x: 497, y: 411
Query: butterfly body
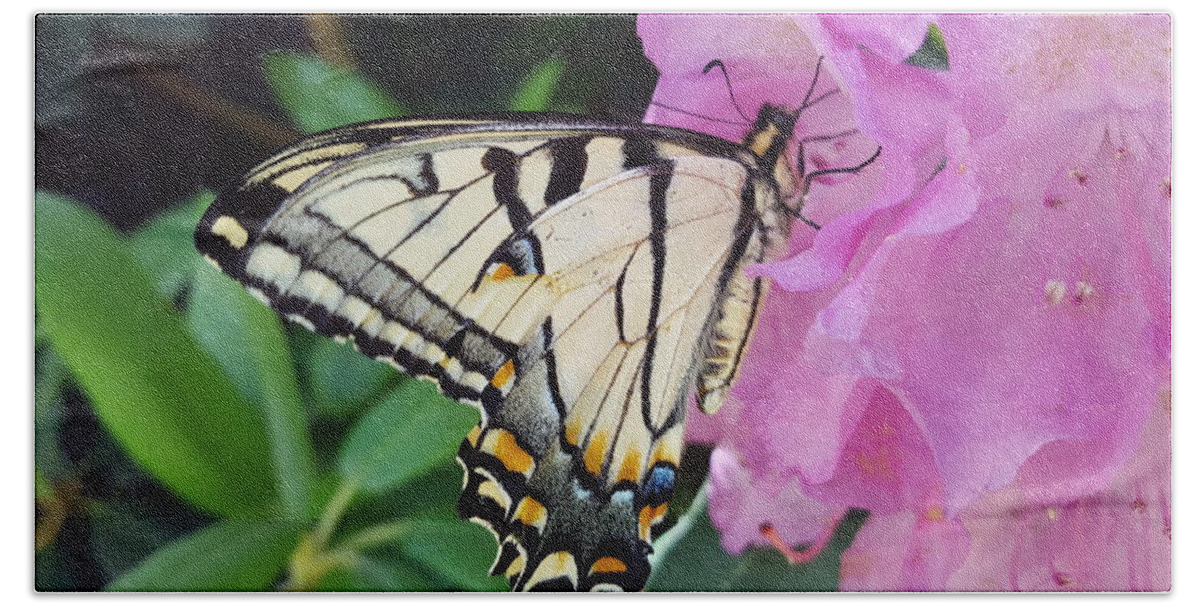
x: 575, y: 280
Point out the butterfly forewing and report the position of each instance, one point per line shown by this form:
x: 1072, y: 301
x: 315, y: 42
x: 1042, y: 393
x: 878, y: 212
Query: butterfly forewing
x: 574, y: 281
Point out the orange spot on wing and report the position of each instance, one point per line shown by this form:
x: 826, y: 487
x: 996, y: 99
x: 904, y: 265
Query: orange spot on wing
x: 504, y: 374
x: 631, y: 467
x: 608, y: 564
x: 502, y: 271
x: 503, y: 445
x: 649, y: 516
x: 593, y: 457
x: 572, y: 432
x: 531, y: 512
x: 666, y: 454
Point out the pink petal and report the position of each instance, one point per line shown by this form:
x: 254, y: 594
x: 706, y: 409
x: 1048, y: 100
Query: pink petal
x: 904, y: 551
x: 1117, y: 538
x: 740, y: 505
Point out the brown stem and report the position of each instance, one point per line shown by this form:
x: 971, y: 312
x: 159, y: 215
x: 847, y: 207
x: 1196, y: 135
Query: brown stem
x: 329, y: 40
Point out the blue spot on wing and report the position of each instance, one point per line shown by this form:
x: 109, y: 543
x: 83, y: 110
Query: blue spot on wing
x: 659, y: 485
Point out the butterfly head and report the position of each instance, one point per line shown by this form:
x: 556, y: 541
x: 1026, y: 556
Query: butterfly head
x: 771, y: 131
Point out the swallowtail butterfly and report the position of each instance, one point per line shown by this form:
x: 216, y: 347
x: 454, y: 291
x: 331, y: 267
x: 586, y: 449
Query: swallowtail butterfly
x: 574, y: 279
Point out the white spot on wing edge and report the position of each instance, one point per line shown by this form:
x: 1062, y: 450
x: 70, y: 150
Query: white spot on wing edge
x: 259, y: 295
x: 318, y: 288
x: 303, y: 322
x: 560, y: 563
x: 273, y: 264
x: 231, y: 230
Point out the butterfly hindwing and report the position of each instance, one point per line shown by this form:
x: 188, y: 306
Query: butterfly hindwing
x: 575, y: 281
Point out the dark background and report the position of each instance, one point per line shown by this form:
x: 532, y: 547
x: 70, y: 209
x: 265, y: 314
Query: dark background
x: 135, y: 112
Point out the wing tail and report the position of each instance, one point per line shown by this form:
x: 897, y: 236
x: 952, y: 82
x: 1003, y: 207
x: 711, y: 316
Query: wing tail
x: 539, y: 514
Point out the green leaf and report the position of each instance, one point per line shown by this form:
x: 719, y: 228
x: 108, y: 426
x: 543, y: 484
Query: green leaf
x: 932, y: 54
x: 460, y: 552
x: 242, y: 335
x: 163, y: 398
x: 42, y: 488
x: 409, y: 432
x: 247, y: 339
x: 432, y: 495
x: 164, y: 245
x: 538, y: 87
x: 689, y: 557
x: 320, y: 96
x: 379, y: 574
x: 341, y: 379
x: 234, y: 555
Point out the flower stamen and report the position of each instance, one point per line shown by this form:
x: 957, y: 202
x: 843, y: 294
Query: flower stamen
x: 1084, y: 292
x: 793, y: 556
x: 1055, y: 291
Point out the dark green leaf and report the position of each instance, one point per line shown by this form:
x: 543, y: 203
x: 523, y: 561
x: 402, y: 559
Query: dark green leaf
x: 538, y: 87
x: 120, y: 538
x: 459, y: 551
x: 932, y: 54
x: 320, y: 96
x: 42, y: 488
x: 341, y: 379
x: 52, y: 376
x: 56, y: 569
x: 247, y: 340
x: 376, y: 573
x: 234, y: 555
x: 158, y: 392
x: 411, y: 431
x: 689, y: 557
x: 431, y: 495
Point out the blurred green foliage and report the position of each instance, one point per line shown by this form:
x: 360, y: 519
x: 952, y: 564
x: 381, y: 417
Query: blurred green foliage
x: 321, y: 96
x: 186, y: 439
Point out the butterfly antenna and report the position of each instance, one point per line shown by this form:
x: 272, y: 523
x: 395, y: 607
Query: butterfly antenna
x: 717, y: 63
x: 813, y: 138
x: 813, y: 85
x: 809, y: 177
x: 855, y: 169
x: 695, y: 115
x: 809, y: 100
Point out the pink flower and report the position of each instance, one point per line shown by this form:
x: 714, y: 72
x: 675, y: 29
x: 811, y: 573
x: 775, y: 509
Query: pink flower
x: 994, y: 292
x: 1114, y: 539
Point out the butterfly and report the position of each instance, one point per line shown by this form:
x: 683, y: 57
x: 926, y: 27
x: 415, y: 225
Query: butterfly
x: 574, y: 279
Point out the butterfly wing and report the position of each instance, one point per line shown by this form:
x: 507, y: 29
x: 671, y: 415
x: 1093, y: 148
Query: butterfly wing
x: 572, y: 280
